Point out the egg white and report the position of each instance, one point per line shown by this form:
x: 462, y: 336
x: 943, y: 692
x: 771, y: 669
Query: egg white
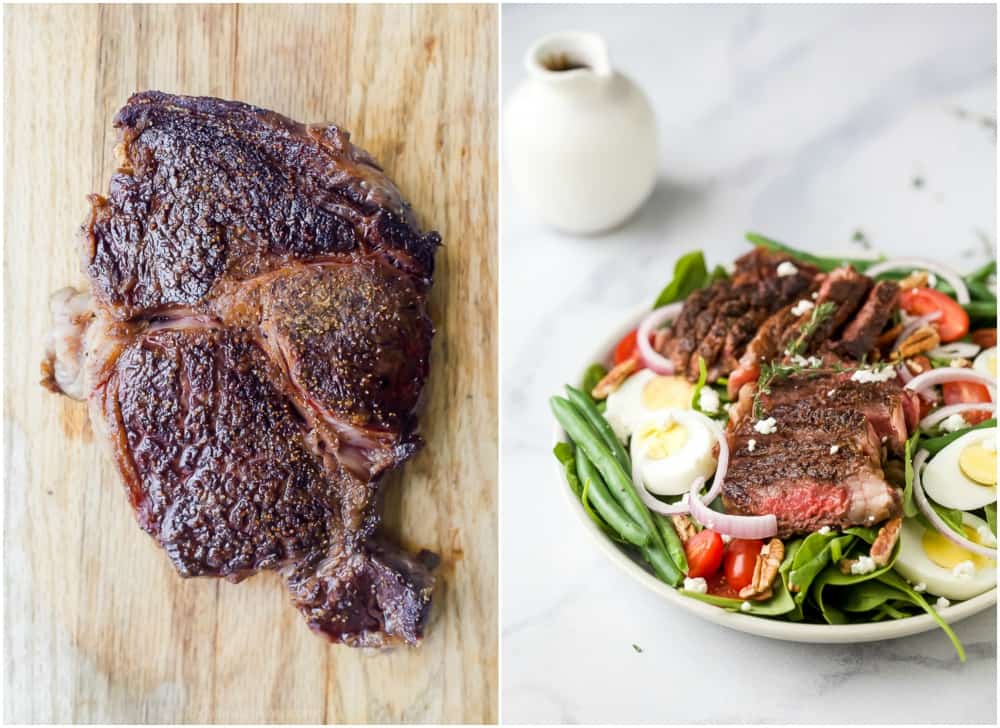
x: 945, y: 482
x: 914, y: 564
x: 673, y: 474
x: 986, y: 362
x: 626, y: 409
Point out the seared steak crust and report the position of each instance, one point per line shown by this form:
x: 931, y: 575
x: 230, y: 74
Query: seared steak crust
x: 822, y: 465
x: 860, y: 334
x: 254, y: 351
x: 268, y: 189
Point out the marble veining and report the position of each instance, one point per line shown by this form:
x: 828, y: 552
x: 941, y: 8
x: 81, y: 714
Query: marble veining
x: 830, y: 127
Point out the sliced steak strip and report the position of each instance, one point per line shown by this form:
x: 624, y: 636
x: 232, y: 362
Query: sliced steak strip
x: 822, y: 465
x: 860, y: 334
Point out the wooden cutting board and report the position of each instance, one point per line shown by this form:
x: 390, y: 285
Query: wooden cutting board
x: 99, y: 628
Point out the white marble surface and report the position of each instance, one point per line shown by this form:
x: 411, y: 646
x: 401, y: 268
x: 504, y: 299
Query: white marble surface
x: 806, y: 123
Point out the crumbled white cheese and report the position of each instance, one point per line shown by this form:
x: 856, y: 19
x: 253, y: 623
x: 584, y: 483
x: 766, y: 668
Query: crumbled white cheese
x: 931, y: 280
x: 806, y: 361
x: 831, y: 393
x: 921, y: 587
x: 834, y: 449
x: 824, y: 530
x: 726, y: 538
x: 802, y: 307
x: 942, y: 603
x: 697, y: 585
x: 727, y: 406
x: 959, y: 363
x: 752, y: 445
x: 786, y: 268
x: 815, y: 295
x: 870, y: 376
x: 709, y: 400
x: 864, y: 565
x: 746, y: 607
x: 885, y: 439
x: 766, y: 427
x: 954, y: 423
x: 964, y: 569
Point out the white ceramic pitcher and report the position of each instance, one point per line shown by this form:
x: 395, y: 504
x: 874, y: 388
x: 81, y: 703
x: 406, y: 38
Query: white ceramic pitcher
x: 579, y: 138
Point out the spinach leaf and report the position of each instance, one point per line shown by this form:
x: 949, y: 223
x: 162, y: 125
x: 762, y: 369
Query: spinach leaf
x: 866, y: 534
x: 779, y: 603
x: 690, y: 274
x: 718, y: 274
x: 594, y: 374
x: 933, y: 445
x: 564, y: 454
x: 991, y: 517
x: 699, y: 385
x: 951, y: 516
x: 894, y: 580
x: 909, y: 507
x: 867, y: 596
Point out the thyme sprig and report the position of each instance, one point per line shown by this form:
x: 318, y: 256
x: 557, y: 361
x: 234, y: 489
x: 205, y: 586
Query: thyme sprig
x: 820, y: 314
x: 770, y: 372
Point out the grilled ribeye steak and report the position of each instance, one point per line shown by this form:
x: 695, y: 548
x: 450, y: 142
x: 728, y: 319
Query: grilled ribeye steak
x: 822, y: 464
x: 253, y: 347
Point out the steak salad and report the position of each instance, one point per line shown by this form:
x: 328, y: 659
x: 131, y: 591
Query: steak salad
x: 801, y: 438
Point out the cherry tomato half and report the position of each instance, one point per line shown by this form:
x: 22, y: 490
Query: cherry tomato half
x: 625, y: 348
x: 740, y: 560
x: 954, y: 321
x: 958, y: 392
x: 704, y: 553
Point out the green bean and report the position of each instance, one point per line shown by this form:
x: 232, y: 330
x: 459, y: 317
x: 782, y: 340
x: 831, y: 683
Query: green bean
x: 979, y: 291
x: 675, y: 549
x: 662, y: 565
x: 588, y: 409
x: 824, y: 264
x: 982, y: 310
x: 604, y: 504
x: 980, y: 276
x: 597, y: 452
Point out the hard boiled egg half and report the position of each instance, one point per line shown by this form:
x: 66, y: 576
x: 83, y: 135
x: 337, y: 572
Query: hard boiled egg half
x: 643, y: 394
x: 670, y: 449
x: 986, y: 362
x: 943, y: 567
x: 964, y: 474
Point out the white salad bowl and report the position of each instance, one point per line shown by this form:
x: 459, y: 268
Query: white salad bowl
x: 762, y: 626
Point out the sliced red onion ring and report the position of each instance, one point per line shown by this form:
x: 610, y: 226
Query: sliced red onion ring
x: 943, y: 413
x: 682, y: 506
x: 922, y: 382
x: 953, y: 278
x: 931, y: 515
x: 650, y: 357
x: 723, y: 523
x: 955, y: 350
x: 913, y: 325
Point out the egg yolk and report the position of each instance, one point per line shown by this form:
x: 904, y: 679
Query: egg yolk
x: 662, y: 442
x: 948, y: 554
x: 667, y: 393
x: 979, y: 463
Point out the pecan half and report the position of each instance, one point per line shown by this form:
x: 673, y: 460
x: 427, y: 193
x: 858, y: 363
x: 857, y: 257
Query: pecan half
x: 684, y: 527
x: 885, y: 541
x: 764, y: 571
x: 923, y: 339
x: 613, y: 379
x: 916, y: 279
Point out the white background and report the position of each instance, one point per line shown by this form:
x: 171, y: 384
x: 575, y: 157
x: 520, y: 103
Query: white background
x: 805, y: 123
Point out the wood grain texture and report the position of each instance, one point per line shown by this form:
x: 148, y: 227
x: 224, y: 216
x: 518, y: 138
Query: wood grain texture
x: 98, y: 626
